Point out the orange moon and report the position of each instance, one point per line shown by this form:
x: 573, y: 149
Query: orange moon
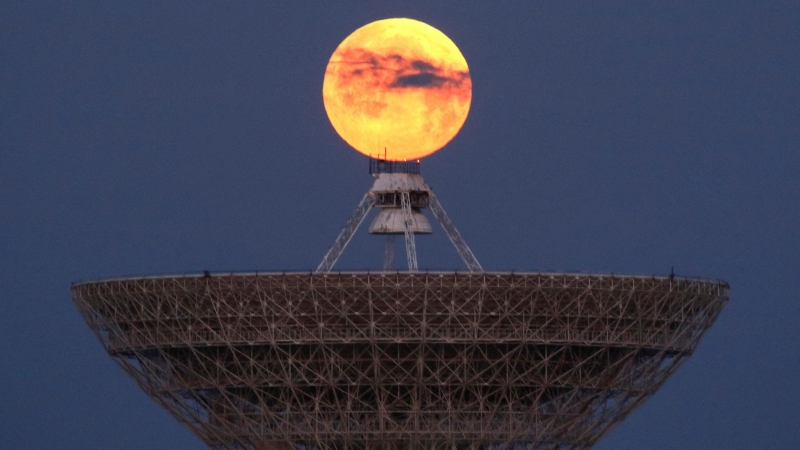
x: 399, y: 85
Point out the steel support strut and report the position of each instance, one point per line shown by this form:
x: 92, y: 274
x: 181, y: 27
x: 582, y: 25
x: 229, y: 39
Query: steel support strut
x: 455, y: 237
x: 411, y: 246
x: 347, y: 233
x: 388, y: 254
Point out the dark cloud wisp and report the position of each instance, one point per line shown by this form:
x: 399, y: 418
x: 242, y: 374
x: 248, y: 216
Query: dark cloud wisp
x: 397, y: 72
x: 419, y: 80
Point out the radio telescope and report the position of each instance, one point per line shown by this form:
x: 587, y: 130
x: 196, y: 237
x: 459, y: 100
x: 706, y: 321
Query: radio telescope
x: 406, y: 359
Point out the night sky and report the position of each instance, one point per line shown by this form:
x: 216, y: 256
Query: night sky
x: 627, y: 137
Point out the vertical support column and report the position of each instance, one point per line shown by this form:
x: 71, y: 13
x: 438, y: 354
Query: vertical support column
x: 388, y: 254
x: 411, y: 246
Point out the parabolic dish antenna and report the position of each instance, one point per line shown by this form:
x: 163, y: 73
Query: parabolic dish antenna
x: 394, y: 359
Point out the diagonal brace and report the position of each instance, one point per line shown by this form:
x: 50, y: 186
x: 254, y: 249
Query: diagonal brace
x: 455, y: 237
x: 347, y: 233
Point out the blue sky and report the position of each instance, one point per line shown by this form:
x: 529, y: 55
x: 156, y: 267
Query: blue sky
x: 626, y: 137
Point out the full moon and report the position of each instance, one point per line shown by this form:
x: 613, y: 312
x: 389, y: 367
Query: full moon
x: 397, y: 89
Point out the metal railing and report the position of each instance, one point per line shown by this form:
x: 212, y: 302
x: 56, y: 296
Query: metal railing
x: 377, y: 166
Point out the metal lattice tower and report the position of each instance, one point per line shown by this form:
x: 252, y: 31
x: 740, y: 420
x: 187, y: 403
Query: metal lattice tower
x: 389, y: 360
x: 400, y: 193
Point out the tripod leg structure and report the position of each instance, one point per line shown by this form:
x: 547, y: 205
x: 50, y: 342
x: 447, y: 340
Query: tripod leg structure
x: 347, y: 233
x: 455, y: 237
x: 385, y: 193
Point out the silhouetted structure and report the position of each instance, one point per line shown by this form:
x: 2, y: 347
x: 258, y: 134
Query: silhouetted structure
x: 400, y: 360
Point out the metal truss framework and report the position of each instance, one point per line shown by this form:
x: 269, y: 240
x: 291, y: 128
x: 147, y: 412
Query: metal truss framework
x: 404, y: 188
x: 402, y: 360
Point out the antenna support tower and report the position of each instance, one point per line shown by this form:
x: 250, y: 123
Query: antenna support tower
x: 400, y: 360
x: 400, y: 193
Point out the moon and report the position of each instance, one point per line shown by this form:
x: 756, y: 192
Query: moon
x: 397, y: 89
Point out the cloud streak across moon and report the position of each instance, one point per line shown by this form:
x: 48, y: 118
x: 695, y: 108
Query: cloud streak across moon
x: 398, y: 85
x: 395, y: 71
